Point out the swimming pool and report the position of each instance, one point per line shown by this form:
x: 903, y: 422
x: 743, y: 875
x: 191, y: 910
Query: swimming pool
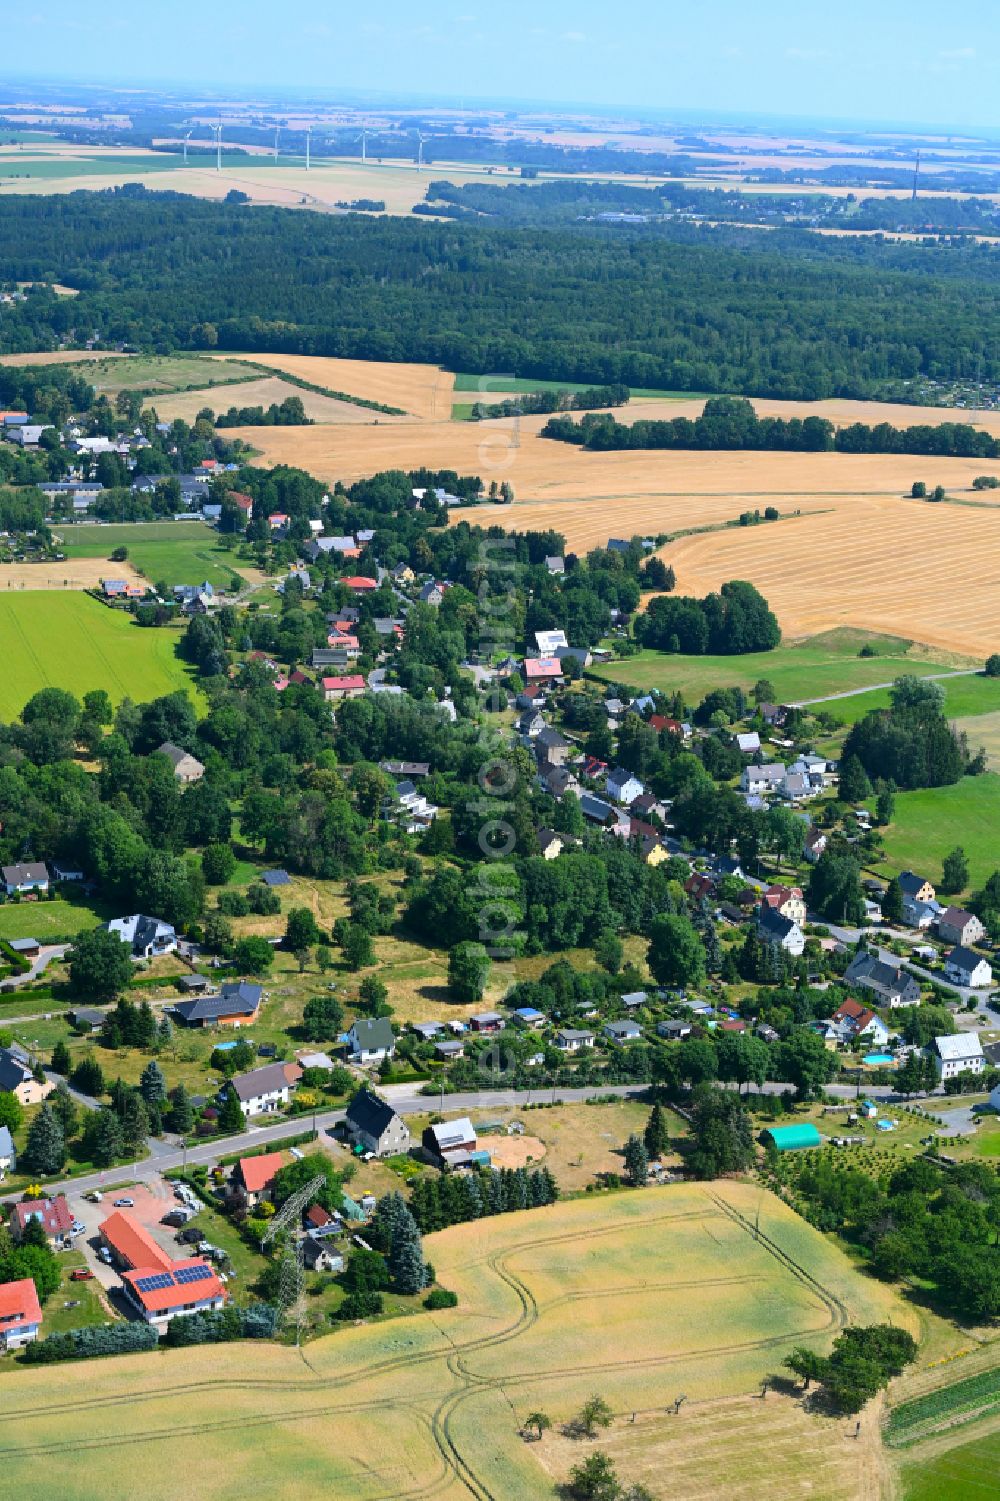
x: 876, y: 1058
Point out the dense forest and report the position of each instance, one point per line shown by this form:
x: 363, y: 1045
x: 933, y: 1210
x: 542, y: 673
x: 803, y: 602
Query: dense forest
x: 799, y: 317
x: 729, y: 422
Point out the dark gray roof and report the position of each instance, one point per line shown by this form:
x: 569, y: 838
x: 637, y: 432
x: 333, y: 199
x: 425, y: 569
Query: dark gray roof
x: 770, y: 921
x: 369, y: 1114
x: 965, y: 959
x: 234, y: 1000
x: 373, y: 1032
x: 12, y: 1071
x: 910, y: 884
x: 275, y: 877
x: 261, y: 1081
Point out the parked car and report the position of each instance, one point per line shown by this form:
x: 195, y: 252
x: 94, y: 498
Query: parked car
x: 125, y: 1203
x: 188, y: 1237
x: 77, y: 1227
x: 81, y: 1274
x: 105, y: 1255
x: 95, y: 1196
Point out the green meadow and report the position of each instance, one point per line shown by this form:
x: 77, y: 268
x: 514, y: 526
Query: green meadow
x: 803, y: 670
x: 171, y: 552
x: 62, y: 640
x: 929, y: 823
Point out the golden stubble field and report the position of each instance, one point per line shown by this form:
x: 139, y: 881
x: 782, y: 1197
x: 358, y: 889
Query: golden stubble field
x: 72, y: 573
x: 640, y: 1297
x: 423, y: 391
x: 261, y: 393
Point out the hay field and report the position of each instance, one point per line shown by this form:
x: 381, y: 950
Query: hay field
x: 259, y: 393
x: 422, y: 390
x: 74, y: 573
x: 902, y: 567
x: 840, y: 411
x: 69, y: 640
x: 628, y: 485
x: 62, y: 357
x: 639, y: 1296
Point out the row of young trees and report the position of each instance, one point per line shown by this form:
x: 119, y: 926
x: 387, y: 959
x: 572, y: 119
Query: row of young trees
x: 454, y: 1199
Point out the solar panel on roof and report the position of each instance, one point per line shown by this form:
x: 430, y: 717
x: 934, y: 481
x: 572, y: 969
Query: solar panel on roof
x: 154, y: 1284
x: 193, y: 1273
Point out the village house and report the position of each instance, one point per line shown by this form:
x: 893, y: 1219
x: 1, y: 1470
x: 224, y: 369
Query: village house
x: 8, y: 1153
x: 336, y: 688
x: 891, y: 985
x: 965, y: 967
x: 572, y: 1040
x: 370, y: 1040
x: 375, y: 1127
x: 788, y: 900
x: 760, y: 778
x: 959, y: 927
x: 20, y: 878
x: 916, y: 888
x: 862, y: 1022
x: 960, y: 1054
x: 265, y: 1090
x: 236, y: 1005
x: 20, y: 1314
x: 542, y: 670
x: 252, y: 1178
x: 624, y: 786
x: 780, y: 932
x: 16, y: 1078
x: 814, y: 845
x: 187, y: 768
x: 550, y: 844
x: 452, y: 1143
x: 623, y: 1032
x: 488, y: 1022
x: 147, y: 937
x: 53, y: 1215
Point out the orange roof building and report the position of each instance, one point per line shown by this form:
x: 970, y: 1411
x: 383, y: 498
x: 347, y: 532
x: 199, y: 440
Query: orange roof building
x: 20, y: 1314
x: 130, y: 1244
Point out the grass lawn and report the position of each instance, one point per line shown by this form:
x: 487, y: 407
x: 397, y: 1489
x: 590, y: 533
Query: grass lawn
x: 932, y: 821
x: 172, y: 552
x: 824, y: 664
x: 49, y: 922
x: 958, y: 1474
x: 247, y: 1264
x: 963, y: 698
x: 56, y: 1316
x: 493, y: 385
x: 165, y: 374
x: 64, y: 640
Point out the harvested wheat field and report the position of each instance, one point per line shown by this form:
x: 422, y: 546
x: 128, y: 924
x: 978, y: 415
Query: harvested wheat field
x: 62, y: 357
x: 540, y: 469
x: 421, y: 390
x: 840, y: 412
x: 72, y: 573
x: 260, y: 393
x: 929, y: 572
x: 639, y: 1296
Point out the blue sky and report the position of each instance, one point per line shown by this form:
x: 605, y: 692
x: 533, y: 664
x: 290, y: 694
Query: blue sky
x: 866, y: 60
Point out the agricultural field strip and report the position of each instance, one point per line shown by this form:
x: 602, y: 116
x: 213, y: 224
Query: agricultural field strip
x: 945, y: 1407
x: 528, y: 1314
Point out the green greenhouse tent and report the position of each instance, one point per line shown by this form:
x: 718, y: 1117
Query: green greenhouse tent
x: 791, y: 1138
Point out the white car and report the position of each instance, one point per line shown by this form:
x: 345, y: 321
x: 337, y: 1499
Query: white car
x: 125, y: 1203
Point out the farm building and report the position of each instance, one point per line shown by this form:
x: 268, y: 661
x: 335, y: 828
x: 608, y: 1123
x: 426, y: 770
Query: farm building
x: 791, y: 1138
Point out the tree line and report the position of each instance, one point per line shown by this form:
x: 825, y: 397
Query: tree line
x: 729, y: 423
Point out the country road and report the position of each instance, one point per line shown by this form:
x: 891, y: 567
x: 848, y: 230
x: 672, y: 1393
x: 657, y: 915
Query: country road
x: 167, y: 1155
x: 931, y: 677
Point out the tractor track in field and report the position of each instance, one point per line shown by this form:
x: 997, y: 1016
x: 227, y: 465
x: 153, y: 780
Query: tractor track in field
x: 440, y: 1425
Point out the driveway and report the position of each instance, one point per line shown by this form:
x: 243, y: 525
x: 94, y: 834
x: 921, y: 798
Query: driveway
x: 152, y: 1201
x: 47, y: 954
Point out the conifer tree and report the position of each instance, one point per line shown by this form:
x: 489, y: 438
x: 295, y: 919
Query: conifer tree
x: 45, y: 1151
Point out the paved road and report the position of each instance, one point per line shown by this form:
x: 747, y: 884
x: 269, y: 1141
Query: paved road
x: 166, y: 1155
x: 931, y: 677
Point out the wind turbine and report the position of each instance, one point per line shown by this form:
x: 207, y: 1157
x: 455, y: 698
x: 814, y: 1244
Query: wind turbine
x: 277, y: 133
x: 421, y: 138
x: 186, y: 139
x: 218, y: 146
x: 363, y: 138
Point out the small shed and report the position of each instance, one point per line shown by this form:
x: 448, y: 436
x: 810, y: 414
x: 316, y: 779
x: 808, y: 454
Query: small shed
x: 791, y: 1138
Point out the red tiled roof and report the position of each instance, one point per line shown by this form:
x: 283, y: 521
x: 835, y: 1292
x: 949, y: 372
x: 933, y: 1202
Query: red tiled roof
x: 333, y: 684
x: 732, y: 1026
x: 358, y: 583
x: 853, y: 1011
x: 133, y: 1244
x: 177, y: 1294
x: 237, y: 498
x: 54, y: 1214
x: 542, y: 667
x: 18, y: 1304
x: 318, y: 1216
x: 258, y: 1172
x: 659, y: 722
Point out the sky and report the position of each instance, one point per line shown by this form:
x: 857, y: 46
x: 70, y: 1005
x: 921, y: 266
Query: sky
x: 901, y: 61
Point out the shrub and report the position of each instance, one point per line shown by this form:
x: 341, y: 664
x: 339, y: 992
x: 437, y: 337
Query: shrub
x: 360, y: 1306
x: 441, y: 1297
